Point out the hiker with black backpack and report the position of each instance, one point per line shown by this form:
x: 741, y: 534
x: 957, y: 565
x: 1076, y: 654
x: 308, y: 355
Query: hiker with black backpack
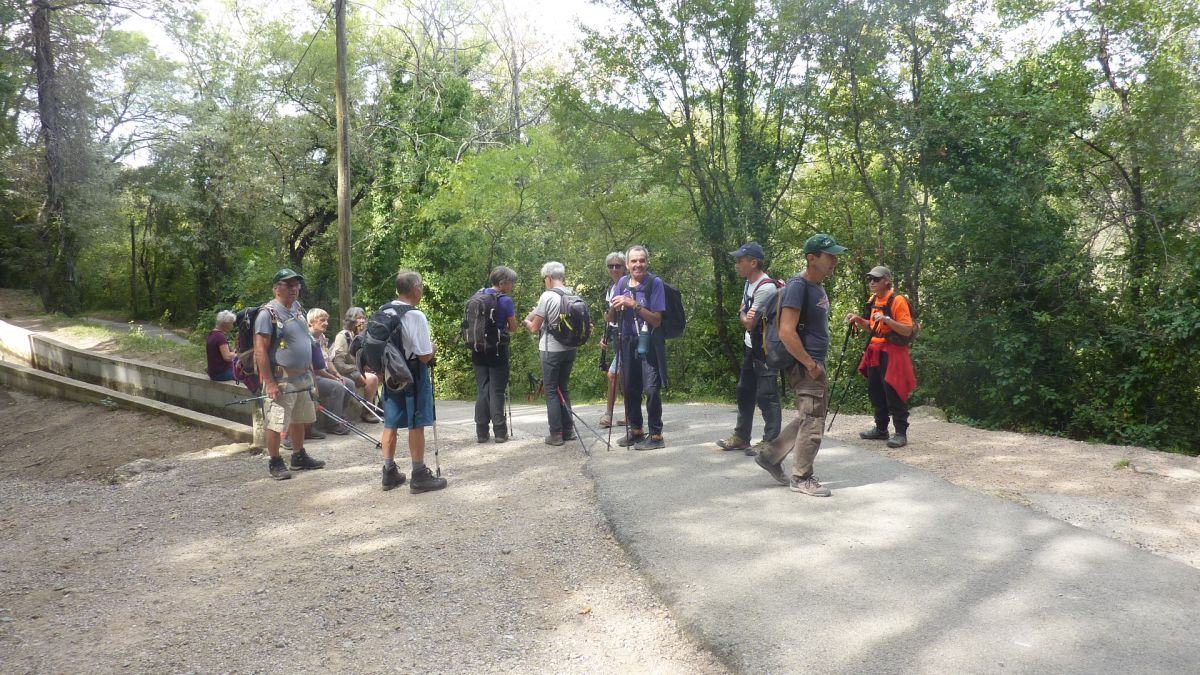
x: 489, y: 322
x: 638, y: 306
x: 561, y: 331
x: 886, y: 363
x: 410, y: 406
x: 283, y: 361
x: 797, y: 342
x: 757, y: 382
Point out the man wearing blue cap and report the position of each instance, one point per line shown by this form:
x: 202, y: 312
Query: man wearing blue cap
x: 756, y: 381
x: 803, y: 328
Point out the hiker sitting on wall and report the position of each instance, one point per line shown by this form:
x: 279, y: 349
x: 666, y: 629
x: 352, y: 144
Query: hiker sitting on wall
x: 344, y: 363
x: 216, y: 348
x: 331, y: 387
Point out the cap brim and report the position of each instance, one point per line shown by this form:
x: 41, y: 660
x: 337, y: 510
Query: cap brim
x: 835, y: 249
x: 736, y: 254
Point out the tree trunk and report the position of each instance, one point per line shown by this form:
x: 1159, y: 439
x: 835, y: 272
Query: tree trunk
x: 133, y: 305
x: 56, y: 284
x: 345, y: 291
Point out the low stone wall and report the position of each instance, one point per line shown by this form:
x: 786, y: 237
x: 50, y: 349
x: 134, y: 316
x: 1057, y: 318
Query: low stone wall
x: 16, y: 376
x: 173, y: 386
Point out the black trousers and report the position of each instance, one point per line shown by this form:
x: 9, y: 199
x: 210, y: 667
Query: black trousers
x: 757, y: 384
x: 885, y: 400
x: 491, y: 380
x: 642, y: 377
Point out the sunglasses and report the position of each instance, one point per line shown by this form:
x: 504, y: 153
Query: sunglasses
x: 616, y: 267
x: 871, y: 278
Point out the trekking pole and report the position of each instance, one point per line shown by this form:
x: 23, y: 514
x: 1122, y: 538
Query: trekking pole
x: 508, y: 405
x: 367, y: 405
x: 252, y: 399
x: 616, y: 355
x: 846, y: 388
x: 346, y: 423
x: 579, y: 419
x: 433, y: 399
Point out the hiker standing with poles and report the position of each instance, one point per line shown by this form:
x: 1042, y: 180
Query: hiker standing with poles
x: 638, y: 304
x: 756, y: 380
x: 557, y: 359
x: 489, y: 322
x: 798, y: 342
x: 411, y: 407
x: 886, y: 363
x: 615, y: 262
x: 283, y: 358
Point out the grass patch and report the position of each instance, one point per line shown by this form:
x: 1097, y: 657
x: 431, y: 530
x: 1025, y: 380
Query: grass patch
x: 137, y: 345
x: 1121, y: 464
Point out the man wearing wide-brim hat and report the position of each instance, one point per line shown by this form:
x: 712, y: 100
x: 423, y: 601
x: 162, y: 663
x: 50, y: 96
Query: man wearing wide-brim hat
x: 886, y: 363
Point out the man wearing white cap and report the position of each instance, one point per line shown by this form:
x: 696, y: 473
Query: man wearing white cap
x: 886, y: 363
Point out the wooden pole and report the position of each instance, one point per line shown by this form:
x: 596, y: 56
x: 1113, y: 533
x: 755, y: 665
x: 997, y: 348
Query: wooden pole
x: 343, y: 163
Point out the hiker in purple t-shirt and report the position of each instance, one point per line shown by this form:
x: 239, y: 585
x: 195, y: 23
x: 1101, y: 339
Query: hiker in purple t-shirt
x: 637, y: 306
x: 216, y: 348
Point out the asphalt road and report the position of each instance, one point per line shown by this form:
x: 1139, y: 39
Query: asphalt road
x: 898, y: 571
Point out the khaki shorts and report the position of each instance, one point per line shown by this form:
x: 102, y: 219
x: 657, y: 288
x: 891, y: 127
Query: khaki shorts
x: 294, y: 408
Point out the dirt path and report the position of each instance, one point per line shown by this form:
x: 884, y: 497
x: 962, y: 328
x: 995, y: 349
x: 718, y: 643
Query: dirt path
x: 204, y: 563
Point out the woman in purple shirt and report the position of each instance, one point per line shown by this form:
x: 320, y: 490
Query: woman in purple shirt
x: 216, y: 348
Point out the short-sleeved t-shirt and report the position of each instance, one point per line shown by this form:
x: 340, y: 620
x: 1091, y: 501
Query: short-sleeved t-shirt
x: 763, y: 295
x: 649, y: 293
x: 548, y: 307
x: 900, y: 312
x: 816, y: 316
x: 212, y: 349
x: 416, y: 339
x: 505, y: 309
x: 294, y: 347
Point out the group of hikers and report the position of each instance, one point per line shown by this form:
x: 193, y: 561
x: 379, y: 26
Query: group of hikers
x: 391, y: 356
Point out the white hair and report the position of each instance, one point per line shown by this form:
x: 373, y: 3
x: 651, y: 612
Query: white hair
x: 638, y: 247
x: 554, y: 270
x: 225, y: 316
x: 316, y: 313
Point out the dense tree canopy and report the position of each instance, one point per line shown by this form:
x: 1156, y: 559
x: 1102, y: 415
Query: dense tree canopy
x: 1039, y: 200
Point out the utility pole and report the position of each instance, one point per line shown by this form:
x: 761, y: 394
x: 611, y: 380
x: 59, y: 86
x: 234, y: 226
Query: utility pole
x: 343, y: 162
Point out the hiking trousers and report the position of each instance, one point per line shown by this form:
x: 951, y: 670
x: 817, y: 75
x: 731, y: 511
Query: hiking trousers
x: 642, y: 377
x: 884, y: 399
x: 491, y: 381
x: 556, y: 374
x: 802, y: 436
x: 757, y: 384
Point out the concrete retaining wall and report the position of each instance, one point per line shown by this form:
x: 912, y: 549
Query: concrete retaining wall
x: 164, y: 384
x: 48, y: 384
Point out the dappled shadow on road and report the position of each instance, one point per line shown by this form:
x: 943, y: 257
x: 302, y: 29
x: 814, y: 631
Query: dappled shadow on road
x: 898, y: 571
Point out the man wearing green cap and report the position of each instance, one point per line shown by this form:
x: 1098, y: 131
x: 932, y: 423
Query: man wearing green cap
x: 807, y: 342
x: 283, y: 358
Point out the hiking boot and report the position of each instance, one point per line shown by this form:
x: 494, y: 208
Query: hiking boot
x: 368, y: 418
x: 897, y: 441
x: 311, y: 433
x: 481, y: 433
x: 734, y: 442
x: 392, y: 478
x: 302, y: 461
x: 776, y: 470
x: 554, y: 439
x: 651, y: 442
x: 605, y: 421
x: 809, y: 486
x: 340, y: 430
x: 570, y: 435
x: 423, y: 480
x: 874, y: 434
x: 278, y: 469
x: 756, y: 448
x: 622, y: 423
x: 501, y: 433
x: 632, y: 438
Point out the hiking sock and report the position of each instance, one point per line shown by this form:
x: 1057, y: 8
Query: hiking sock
x: 389, y: 464
x: 417, y: 466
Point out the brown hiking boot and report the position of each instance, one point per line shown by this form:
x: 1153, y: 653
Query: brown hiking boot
x: 634, y: 437
x: 734, y: 442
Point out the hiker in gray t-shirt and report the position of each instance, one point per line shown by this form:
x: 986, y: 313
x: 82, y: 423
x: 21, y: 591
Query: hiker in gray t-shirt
x: 757, y: 383
x: 557, y: 359
x: 283, y: 359
x: 805, y: 296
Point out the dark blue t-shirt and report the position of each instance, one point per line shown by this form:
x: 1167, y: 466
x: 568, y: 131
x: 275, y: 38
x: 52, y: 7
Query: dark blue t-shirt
x: 816, y: 316
x: 504, y: 309
x: 649, y: 293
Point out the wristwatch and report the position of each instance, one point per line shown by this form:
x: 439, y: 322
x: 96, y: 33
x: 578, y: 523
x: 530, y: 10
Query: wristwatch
x: 637, y: 307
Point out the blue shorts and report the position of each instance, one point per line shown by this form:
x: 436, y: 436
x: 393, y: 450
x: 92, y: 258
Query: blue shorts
x: 413, y: 407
